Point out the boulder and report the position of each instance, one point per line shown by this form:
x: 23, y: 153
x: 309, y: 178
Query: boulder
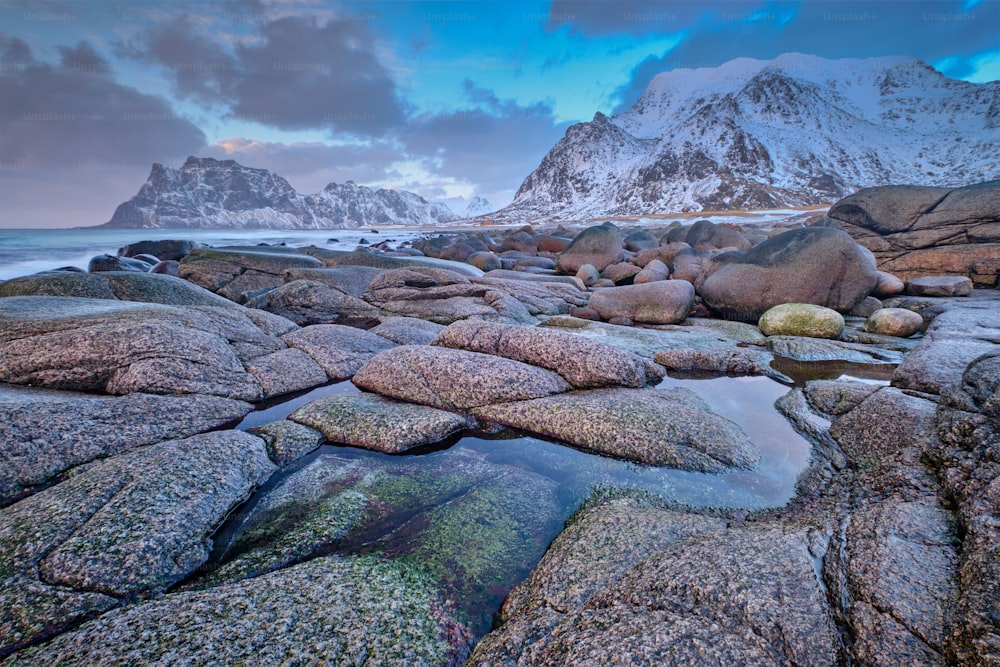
x: 162, y: 250
x: 44, y: 433
x: 865, y: 308
x: 234, y: 272
x: 915, y: 230
x: 484, y: 261
x: 352, y: 280
x: 307, y: 302
x: 705, y: 234
x: 691, y: 264
x: 584, y: 363
x: 887, y: 285
x: 640, y: 240
x: 126, y: 526
x: 653, y: 271
x: 589, y: 274
x: 600, y: 246
x: 454, y: 379
x: 380, y: 260
x: 407, y: 330
x: 939, y: 286
x: 550, y: 243
x: 121, y: 347
x: 816, y: 265
x: 620, y: 272
x: 374, y: 422
x: 122, y: 285
x: 287, y: 441
x: 671, y: 428
x: 112, y: 263
x: 662, y: 302
x: 520, y: 241
x: 801, y: 319
x: 894, y: 322
x: 331, y: 610
x: 285, y: 371
x: 339, y: 350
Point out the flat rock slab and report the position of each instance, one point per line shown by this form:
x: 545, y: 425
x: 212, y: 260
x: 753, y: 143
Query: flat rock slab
x: 287, y: 441
x: 122, y: 347
x: 671, y: 428
x: 327, y: 611
x: 801, y: 348
x: 126, y: 526
x: 368, y: 258
x: 308, y: 302
x: 122, y: 285
x: 286, y: 371
x: 44, y: 433
x: 584, y: 363
x: 939, y: 286
x: 408, y: 330
x: 375, y: 422
x: 340, y: 351
x: 454, y: 379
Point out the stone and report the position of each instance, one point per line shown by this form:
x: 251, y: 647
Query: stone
x: 307, y: 302
x: 112, y: 263
x: 801, y: 319
x: 534, y: 263
x: 454, y: 379
x: 653, y: 271
x: 550, y: 243
x: 329, y: 610
x: 407, y: 330
x: 370, y: 258
x: 837, y: 397
x: 867, y: 306
x: 537, y: 297
x: 520, y: 241
x: 894, y: 322
x: 706, y: 234
x: 374, y: 422
x: 735, y: 361
x: 915, y: 231
x: 286, y: 371
x: 352, y: 280
x: 340, y: 351
x: 287, y: 441
x: 887, y: 285
x: 815, y: 265
x: 801, y: 348
x: 640, y: 240
x: 485, y: 261
x: 939, y: 286
x: 582, y: 362
x: 161, y: 249
x: 671, y: 428
x: 599, y: 246
x: 662, y: 302
x: 691, y: 264
x: 589, y: 274
x: 123, y: 285
x: 523, y: 276
x: 44, y: 433
x: 126, y: 526
x: 233, y: 272
x: 883, y: 424
x: 121, y: 347
x: 620, y: 273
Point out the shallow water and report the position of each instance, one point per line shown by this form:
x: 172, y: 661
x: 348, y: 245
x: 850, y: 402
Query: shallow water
x: 566, y: 475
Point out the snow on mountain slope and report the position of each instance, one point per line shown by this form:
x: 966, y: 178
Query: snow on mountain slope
x: 209, y: 193
x: 467, y: 208
x: 796, y: 130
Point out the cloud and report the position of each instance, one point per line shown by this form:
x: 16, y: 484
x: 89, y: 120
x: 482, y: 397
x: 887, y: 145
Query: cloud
x: 293, y: 73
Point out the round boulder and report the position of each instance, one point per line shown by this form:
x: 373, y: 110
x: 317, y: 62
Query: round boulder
x: 661, y: 302
x: 801, y: 319
x: 894, y: 322
x: 600, y: 245
x: 887, y: 285
x: 485, y: 261
x: 816, y: 265
x: 654, y: 271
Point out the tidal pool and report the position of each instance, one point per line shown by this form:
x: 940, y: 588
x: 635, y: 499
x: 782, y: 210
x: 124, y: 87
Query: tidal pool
x: 474, y: 514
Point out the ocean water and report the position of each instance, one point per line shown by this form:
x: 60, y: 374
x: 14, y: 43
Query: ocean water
x: 26, y: 251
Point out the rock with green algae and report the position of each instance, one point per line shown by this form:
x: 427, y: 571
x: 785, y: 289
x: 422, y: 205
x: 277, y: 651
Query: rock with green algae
x: 378, y: 423
x: 287, y: 441
x: 672, y: 428
x: 118, y: 528
x: 332, y: 610
x: 801, y: 319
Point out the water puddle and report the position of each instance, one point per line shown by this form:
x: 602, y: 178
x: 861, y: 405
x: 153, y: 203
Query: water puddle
x: 476, y: 513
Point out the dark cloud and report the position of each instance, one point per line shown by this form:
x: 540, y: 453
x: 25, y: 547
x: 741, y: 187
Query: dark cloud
x: 75, y: 112
x: 296, y: 74
x: 494, y: 144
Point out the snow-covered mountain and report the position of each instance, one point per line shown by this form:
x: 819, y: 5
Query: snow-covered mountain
x: 467, y: 208
x: 209, y: 193
x: 796, y: 130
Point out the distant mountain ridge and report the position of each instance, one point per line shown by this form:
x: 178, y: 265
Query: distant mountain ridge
x: 207, y: 193
x: 797, y: 130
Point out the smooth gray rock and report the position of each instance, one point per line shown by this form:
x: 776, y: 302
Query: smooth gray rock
x: 123, y: 285
x: 123, y: 347
x: 599, y: 246
x: 374, y: 422
x: 44, y: 433
x: 671, y: 428
x: 161, y: 249
x: 308, y: 302
x: 816, y: 265
x: 584, y: 363
x: 340, y: 351
x: 801, y: 348
x: 129, y: 525
x: 368, y: 258
x: 640, y: 240
x: 328, y: 611
x: 662, y: 302
x: 454, y: 379
x: 408, y: 330
x: 353, y: 280
x: 894, y: 322
x: 232, y: 272
x: 939, y: 286
x: 653, y: 271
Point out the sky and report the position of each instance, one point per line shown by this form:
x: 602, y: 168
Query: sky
x: 445, y: 99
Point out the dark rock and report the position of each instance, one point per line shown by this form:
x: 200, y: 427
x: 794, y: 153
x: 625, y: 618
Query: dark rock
x: 706, y: 234
x: 454, y: 379
x: 353, y: 280
x: 813, y: 265
x: 549, y: 243
x: 521, y: 241
x: 620, y: 273
x: 484, y: 261
x: 600, y: 246
x: 162, y: 250
x: 112, y: 263
x: 640, y: 240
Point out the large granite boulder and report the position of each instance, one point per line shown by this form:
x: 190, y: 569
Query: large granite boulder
x: 454, y: 379
x: 123, y: 285
x: 44, y: 433
x: 379, y: 260
x: 584, y: 363
x: 121, y: 347
x: 671, y: 428
x: 329, y: 610
x: 308, y: 302
x: 598, y: 246
x: 126, y: 526
x: 339, y: 350
x: 816, y: 265
x: 915, y: 230
x: 660, y: 302
x: 161, y: 249
x: 234, y: 272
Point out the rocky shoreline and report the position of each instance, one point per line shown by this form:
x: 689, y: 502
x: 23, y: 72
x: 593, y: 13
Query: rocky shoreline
x: 120, y: 391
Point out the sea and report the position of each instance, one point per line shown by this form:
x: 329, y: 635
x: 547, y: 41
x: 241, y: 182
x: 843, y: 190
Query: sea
x: 27, y: 251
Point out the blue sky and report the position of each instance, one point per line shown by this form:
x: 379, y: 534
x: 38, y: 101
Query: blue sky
x: 442, y: 98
